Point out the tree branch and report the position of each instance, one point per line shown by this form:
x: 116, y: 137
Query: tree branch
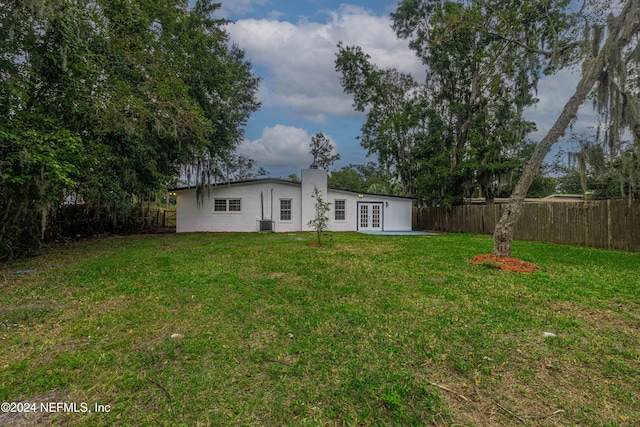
x: 545, y: 53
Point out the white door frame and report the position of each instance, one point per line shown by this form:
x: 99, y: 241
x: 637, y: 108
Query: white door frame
x: 370, y: 216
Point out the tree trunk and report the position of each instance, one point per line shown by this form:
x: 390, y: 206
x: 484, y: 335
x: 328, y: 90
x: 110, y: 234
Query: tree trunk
x: 627, y: 25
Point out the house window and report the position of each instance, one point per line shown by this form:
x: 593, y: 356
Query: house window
x: 340, y: 209
x: 364, y: 216
x: 234, y: 205
x: 285, y: 209
x: 226, y: 205
x: 220, y: 205
x: 375, y: 216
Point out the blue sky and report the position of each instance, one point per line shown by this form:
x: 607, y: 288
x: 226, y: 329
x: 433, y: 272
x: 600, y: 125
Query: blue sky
x: 296, y: 10
x: 292, y: 46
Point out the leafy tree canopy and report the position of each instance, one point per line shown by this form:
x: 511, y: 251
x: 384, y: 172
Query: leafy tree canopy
x: 455, y: 132
x: 104, y: 100
x: 369, y: 178
x: 599, y: 170
x: 321, y: 149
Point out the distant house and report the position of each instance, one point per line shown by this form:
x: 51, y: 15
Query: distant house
x: 284, y: 206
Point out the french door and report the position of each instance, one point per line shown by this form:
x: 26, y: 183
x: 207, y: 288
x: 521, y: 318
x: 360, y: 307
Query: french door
x: 370, y: 216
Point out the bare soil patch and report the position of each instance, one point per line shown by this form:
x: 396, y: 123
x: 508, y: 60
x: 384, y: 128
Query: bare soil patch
x: 317, y: 245
x: 37, y: 417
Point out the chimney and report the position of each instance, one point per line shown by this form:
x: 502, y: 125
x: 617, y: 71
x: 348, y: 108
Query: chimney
x: 311, y: 178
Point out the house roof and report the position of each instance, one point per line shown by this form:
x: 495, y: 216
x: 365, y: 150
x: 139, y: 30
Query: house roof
x: 286, y: 181
x: 370, y: 194
x: 246, y: 181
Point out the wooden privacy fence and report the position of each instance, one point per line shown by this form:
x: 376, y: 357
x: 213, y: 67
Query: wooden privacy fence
x: 611, y: 224
x: 81, y: 220
x: 157, y: 218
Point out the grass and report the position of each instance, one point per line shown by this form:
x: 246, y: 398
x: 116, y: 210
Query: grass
x: 370, y: 330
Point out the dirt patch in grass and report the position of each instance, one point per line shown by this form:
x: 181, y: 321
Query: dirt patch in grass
x: 34, y: 416
x: 509, y: 264
x: 508, y: 397
x: 262, y: 339
x: 33, y: 312
x: 318, y: 245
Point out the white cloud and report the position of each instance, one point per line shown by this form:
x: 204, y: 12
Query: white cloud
x: 553, y: 92
x: 238, y: 7
x: 296, y: 62
x: 298, y: 59
x: 281, y: 148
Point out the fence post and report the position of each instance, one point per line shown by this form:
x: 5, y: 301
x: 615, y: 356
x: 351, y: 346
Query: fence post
x: 609, y: 225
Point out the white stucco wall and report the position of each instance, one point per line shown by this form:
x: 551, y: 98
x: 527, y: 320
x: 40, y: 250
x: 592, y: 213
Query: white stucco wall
x: 396, y: 212
x: 311, y: 178
x: 397, y: 215
x: 349, y: 223
x: 194, y: 217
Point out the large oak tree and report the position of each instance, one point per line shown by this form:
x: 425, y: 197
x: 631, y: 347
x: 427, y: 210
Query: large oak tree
x: 606, y: 66
x: 102, y: 101
x: 456, y: 132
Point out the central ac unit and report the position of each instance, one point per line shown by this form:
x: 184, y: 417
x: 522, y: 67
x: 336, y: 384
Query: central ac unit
x: 266, y: 225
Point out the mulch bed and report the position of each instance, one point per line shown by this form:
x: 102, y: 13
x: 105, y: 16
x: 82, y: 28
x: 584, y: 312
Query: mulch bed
x: 510, y: 264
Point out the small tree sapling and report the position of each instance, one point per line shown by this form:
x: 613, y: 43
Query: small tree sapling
x: 321, y: 221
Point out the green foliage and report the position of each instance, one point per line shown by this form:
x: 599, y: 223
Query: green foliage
x: 570, y: 181
x: 601, y: 170
x: 368, y: 178
x: 478, y: 94
x: 347, y: 178
x: 547, y: 36
x: 105, y: 100
x: 321, y: 149
x: 39, y: 164
x: 321, y: 207
x: 457, y: 132
x: 542, y: 186
x: 241, y: 167
x: 395, y: 112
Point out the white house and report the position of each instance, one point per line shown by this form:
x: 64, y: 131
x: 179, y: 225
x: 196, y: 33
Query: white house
x: 280, y: 205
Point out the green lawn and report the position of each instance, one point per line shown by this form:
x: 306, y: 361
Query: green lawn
x: 371, y: 330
